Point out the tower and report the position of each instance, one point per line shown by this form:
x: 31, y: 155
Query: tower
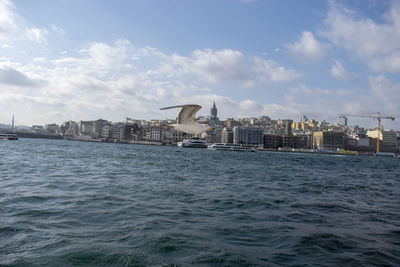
x: 343, y: 120
x: 12, y: 122
x: 213, y: 112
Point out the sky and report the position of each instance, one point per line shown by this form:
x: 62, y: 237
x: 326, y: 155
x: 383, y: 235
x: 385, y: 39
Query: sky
x: 77, y: 60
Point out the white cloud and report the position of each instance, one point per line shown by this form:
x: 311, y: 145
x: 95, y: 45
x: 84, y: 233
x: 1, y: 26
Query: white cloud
x: 7, y: 17
x: 308, y: 48
x: 339, y: 72
x: 227, y: 66
x: 7, y: 46
x: 36, y: 34
x: 40, y: 59
x: 378, y: 44
x: 215, y: 66
x: 105, y: 55
x: 274, y: 72
x: 385, y: 90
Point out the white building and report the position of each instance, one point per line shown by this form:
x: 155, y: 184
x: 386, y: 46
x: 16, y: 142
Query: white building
x: 106, y: 132
x: 154, y: 134
x: 247, y: 135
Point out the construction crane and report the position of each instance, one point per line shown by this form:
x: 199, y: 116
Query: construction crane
x: 378, y: 117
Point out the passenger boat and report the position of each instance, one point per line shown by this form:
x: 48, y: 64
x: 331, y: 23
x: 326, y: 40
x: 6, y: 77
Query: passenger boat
x: 194, y: 142
x: 9, y: 136
x: 231, y: 147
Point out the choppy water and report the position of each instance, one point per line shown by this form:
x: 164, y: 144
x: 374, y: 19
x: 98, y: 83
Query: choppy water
x: 65, y: 203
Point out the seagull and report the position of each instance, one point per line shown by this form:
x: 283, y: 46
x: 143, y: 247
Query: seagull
x: 187, y: 120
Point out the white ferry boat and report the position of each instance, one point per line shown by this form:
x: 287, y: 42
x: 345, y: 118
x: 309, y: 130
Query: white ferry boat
x: 194, y: 142
x: 231, y: 147
x: 9, y: 136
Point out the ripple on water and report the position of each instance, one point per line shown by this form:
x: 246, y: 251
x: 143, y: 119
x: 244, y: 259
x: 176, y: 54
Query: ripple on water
x: 91, y: 204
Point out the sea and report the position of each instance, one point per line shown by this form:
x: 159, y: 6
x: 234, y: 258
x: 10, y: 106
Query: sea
x: 69, y: 203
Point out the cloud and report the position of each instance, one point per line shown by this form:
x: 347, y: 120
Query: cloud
x: 106, y: 55
x: 308, y: 48
x: 302, y: 89
x: 227, y: 65
x: 274, y: 72
x: 7, y: 46
x: 40, y: 59
x: 339, y: 72
x: 56, y: 29
x: 385, y: 90
x: 14, y: 77
x: 214, y: 66
x: 37, y: 35
x: 377, y: 44
x: 100, y: 81
x: 7, y: 17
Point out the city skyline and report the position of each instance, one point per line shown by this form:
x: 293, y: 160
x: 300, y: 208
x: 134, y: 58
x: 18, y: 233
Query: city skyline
x: 342, y: 120
x: 82, y: 60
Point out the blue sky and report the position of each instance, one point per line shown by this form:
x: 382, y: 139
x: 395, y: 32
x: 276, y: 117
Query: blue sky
x: 87, y: 59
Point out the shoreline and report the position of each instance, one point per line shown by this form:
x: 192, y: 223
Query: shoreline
x: 159, y: 143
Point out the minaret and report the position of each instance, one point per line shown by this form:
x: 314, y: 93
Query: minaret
x: 213, y: 112
x: 12, y: 122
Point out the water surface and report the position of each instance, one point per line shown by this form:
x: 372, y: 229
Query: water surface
x: 95, y: 204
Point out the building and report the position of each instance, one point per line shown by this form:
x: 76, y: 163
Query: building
x: 272, y: 141
x: 388, y: 139
x: 247, y: 135
x: 343, y: 120
x: 69, y: 128
x: 98, y: 128
x: 131, y: 131
x: 230, y: 123
x: 328, y: 140
x: 153, y: 134
x: 213, y: 113
x: 86, y: 127
x: 118, y: 131
x: 38, y: 129
x: 227, y: 136
x: 213, y: 136
x: 52, y: 128
x: 288, y: 127
x: 106, y: 132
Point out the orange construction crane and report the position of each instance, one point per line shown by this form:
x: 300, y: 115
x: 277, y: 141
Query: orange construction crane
x: 378, y: 117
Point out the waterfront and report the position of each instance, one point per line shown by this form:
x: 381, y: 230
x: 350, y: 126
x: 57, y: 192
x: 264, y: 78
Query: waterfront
x: 84, y: 203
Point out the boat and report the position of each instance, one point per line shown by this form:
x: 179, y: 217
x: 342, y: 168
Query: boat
x: 194, y: 142
x: 9, y: 136
x: 231, y: 147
